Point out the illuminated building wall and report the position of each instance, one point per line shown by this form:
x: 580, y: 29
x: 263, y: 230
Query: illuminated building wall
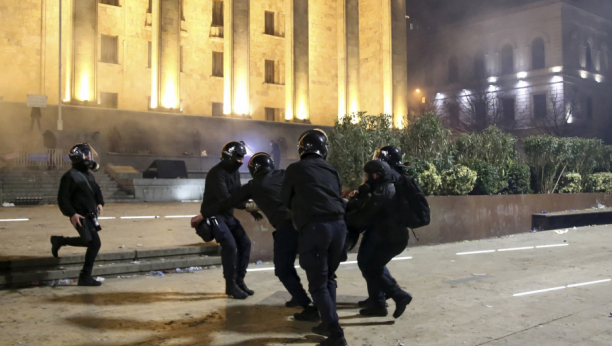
x: 280, y: 60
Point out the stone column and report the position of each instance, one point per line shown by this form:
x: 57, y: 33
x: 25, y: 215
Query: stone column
x: 240, y: 56
x: 289, y: 71
x: 155, y: 35
x: 399, y: 58
x: 301, y: 81
x: 348, y: 57
x: 228, y: 56
x: 170, y: 23
x: 85, y: 43
x: 67, y: 52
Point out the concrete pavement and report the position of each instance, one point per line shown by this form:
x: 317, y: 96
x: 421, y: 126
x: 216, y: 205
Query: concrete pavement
x: 464, y: 299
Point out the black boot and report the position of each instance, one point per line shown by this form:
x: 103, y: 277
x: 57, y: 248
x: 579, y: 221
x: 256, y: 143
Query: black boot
x: 366, y: 303
x: 56, y: 244
x: 232, y: 290
x: 293, y: 303
x: 87, y: 280
x: 401, y: 302
x: 379, y: 311
x: 245, y: 289
x: 321, y: 330
x: 337, y: 341
x: 309, y: 314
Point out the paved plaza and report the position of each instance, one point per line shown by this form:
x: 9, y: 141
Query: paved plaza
x: 548, y: 289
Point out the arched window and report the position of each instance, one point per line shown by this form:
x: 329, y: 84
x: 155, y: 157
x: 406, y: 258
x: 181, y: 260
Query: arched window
x: 589, y: 57
x: 453, y: 70
x: 479, y: 66
x: 507, y: 59
x: 538, y: 55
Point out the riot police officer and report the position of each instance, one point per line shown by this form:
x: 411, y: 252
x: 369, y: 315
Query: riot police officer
x: 221, y: 182
x: 373, y: 210
x: 265, y: 189
x: 80, y: 199
x: 312, y: 191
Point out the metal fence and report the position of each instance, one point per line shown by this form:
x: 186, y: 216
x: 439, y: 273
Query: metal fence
x: 37, y: 158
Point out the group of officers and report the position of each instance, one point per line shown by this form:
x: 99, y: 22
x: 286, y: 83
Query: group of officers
x: 305, y: 206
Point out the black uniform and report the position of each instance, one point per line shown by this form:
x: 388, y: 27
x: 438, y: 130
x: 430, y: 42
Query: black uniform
x: 80, y: 194
x: 265, y: 189
x: 383, y: 239
x: 312, y: 191
x: 221, y: 182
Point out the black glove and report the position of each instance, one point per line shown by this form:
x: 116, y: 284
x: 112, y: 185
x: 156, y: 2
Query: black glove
x: 363, y: 191
x: 257, y: 215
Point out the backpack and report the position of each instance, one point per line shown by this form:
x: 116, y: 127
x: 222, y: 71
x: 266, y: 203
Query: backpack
x: 412, y: 207
x: 204, y: 228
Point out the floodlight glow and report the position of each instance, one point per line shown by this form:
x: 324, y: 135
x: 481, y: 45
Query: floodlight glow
x: 584, y: 74
x: 418, y: 90
x: 598, y: 78
x: 492, y: 79
x: 521, y: 75
x: 556, y: 69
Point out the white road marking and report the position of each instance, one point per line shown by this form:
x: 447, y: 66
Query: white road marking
x: 11, y: 220
x: 178, y: 216
x: 106, y: 218
x: 348, y: 262
x: 538, y: 291
x: 517, y: 248
x: 268, y: 268
x: 401, y: 258
x: 589, y: 283
x: 562, y: 287
x: 554, y: 245
x: 139, y: 217
x: 474, y: 252
x: 298, y: 267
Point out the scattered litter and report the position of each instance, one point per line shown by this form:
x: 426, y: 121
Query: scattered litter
x: 169, y: 323
x: 259, y: 262
x: 600, y: 206
x: 60, y: 282
x: 122, y: 247
x: 611, y: 314
x: 489, y: 306
x: 533, y: 231
x: 139, y: 245
x: 178, y: 270
x: 572, y: 210
x: 135, y: 262
x: 156, y: 273
x: 193, y: 269
x: 574, y: 228
x: 543, y: 211
x: 561, y: 232
x: 6, y: 204
x: 399, y: 343
x: 100, y: 279
x: 479, y: 274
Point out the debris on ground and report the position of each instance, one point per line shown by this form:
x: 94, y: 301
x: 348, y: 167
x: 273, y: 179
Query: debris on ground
x: 259, y: 262
x: 193, y: 269
x: 139, y: 245
x: 561, y: 232
x: 156, y: 273
x: 533, y: 231
x: 100, y: 279
x: 6, y: 204
x: 61, y: 282
x: 122, y: 247
x: 399, y: 343
x: 543, y: 211
x: 135, y: 262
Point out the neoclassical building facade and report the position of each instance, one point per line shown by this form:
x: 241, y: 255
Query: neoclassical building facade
x: 304, y: 61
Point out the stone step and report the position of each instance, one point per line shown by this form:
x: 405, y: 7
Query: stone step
x: 20, y: 272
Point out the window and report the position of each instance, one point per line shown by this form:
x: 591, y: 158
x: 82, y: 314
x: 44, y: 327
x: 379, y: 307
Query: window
x: 507, y: 59
x: 150, y: 9
x: 149, y: 53
x: 589, y: 105
x: 217, y: 109
x: 270, y: 114
x: 538, y: 56
x: 269, y: 29
x: 589, y: 58
x: 110, y: 2
x: 109, y: 49
x: 109, y: 100
x: 453, y: 70
x: 479, y: 66
x: 539, y: 106
x: 217, y: 64
x: 217, y: 13
x: 508, y: 109
x: 453, y: 111
x: 270, y: 71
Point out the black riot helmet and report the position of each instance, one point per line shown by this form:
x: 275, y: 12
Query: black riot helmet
x: 389, y: 154
x: 82, y: 156
x: 313, y: 142
x: 260, y: 162
x: 378, y: 167
x: 233, y: 151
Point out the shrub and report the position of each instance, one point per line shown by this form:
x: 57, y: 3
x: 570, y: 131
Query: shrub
x: 425, y: 138
x: 598, y: 182
x: 489, y: 181
x: 519, y: 179
x: 427, y: 176
x: 354, y: 139
x: 492, y: 146
x: 549, y: 156
x: 570, y: 183
x: 458, y: 180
